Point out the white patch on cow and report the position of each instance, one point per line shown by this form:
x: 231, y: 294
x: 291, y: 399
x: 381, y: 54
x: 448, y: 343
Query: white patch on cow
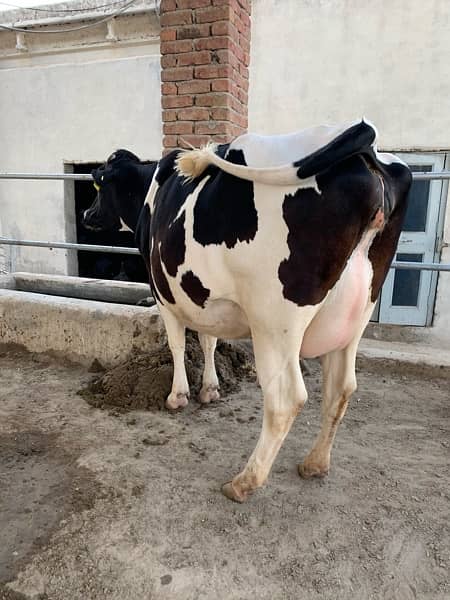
x: 263, y: 151
x: 124, y: 226
x: 388, y: 159
x: 154, y: 186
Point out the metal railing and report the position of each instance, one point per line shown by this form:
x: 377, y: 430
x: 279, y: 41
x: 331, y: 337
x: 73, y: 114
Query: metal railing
x: 440, y: 175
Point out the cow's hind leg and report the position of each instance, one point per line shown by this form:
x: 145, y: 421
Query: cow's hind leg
x: 210, y: 384
x: 339, y: 383
x: 280, y: 377
x: 179, y: 395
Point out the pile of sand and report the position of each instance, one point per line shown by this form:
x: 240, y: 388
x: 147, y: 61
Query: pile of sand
x: 145, y: 381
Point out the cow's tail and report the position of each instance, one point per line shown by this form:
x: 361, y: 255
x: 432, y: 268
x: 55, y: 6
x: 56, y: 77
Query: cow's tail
x: 192, y: 163
x: 356, y: 139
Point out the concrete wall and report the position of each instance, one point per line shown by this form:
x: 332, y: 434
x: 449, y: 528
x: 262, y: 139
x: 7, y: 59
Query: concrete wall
x: 74, y: 100
x: 316, y: 61
x: 328, y: 61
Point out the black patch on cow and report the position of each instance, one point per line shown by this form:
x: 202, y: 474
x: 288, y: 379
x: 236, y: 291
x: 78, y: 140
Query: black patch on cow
x: 173, y: 247
x: 142, y: 238
x: 168, y: 243
x: 193, y: 287
x: 166, y: 167
x: 397, y: 182
x: 159, y: 278
x: 325, y: 228
x: 225, y: 212
x: 355, y: 140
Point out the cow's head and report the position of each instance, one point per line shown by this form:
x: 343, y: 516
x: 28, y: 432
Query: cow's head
x: 121, y: 189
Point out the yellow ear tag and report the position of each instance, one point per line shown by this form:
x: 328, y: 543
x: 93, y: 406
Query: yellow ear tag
x: 97, y: 187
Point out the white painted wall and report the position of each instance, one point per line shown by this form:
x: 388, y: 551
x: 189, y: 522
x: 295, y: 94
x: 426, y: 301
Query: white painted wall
x: 329, y: 61
x: 316, y: 61
x: 75, y: 106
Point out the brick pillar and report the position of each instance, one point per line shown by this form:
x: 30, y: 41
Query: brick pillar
x: 205, y: 54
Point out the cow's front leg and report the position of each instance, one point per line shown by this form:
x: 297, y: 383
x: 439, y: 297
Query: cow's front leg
x: 210, y: 382
x: 284, y: 393
x: 179, y: 396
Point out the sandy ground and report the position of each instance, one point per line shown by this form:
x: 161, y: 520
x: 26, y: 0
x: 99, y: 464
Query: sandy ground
x: 98, y: 504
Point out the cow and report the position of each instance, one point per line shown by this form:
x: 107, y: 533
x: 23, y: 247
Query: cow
x: 286, y: 239
x: 134, y: 182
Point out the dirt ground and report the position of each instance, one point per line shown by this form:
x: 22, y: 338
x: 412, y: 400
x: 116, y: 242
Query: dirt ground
x: 107, y: 504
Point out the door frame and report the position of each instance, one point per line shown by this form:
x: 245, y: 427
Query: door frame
x: 384, y: 306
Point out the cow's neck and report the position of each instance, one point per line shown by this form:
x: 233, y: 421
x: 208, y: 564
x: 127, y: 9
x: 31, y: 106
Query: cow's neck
x: 135, y: 200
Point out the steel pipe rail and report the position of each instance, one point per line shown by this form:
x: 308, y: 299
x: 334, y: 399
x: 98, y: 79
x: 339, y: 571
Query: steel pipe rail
x: 87, y: 177
x: 419, y: 176
x: 63, y: 176
x: 69, y: 246
x: 420, y: 266
x: 125, y: 250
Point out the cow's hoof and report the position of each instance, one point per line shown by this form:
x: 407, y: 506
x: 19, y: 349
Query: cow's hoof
x: 209, y: 394
x: 229, y: 490
x: 308, y: 471
x: 175, y: 401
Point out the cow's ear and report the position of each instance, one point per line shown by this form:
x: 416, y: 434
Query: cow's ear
x: 102, y: 176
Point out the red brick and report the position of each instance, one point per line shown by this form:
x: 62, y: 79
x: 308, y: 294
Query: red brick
x: 194, y: 87
x: 193, y: 58
x: 177, y: 74
x: 193, y: 114
x: 240, y: 81
x: 169, y: 115
x: 236, y: 105
x: 212, y: 71
x: 176, y: 47
x: 224, y: 57
x: 168, y: 35
x: 244, y: 44
x: 243, y: 97
x: 221, y: 139
x: 176, y: 101
x: 193, y: 31
x: 214, y: 13
x: 168, y: 60
x: 213, y: 43
x: 212, y: 99
x: 177, y: 17
x: 243, y: 70
x: 220, y: 28
x: 221, y: 85
x: 237, y: 118
x: 187, y: 141
x: 210, y: 127
x: 170, y: 141
x: 177, y: 127
x: 220, y: 114
x: 193, y: 3
x: 167, y: 5
x: 169, y: 88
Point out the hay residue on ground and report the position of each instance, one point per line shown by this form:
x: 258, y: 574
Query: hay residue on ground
x: 144, y: 381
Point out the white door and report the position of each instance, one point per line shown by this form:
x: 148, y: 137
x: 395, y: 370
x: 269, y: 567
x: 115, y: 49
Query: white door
x: 407, y: 296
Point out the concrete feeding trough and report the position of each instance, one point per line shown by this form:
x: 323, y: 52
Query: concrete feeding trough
x: 78, y: 319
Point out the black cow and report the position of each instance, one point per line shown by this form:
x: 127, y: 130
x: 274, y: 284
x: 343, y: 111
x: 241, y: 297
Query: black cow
x: 131, y: 183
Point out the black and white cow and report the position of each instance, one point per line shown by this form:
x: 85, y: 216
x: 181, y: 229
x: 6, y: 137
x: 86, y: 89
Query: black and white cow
x: 287, y: 239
